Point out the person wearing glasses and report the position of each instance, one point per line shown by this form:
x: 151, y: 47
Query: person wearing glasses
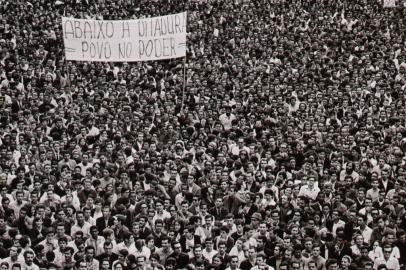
x: 182, y: 259
x: 208, y: 251
x: 389, y: 261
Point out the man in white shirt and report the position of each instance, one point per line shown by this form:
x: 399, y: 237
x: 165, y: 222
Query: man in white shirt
x: 226, y: 118
x: 234, y: 261
x: 160, y: 213
x: 29, y: 261
x: 13, y: 256
x: 209, y: 252
x: 261, y: 264
x: 240, y: 146
x: 337, y: 222
x: 60, y: 251
x: 127, y: 244
x: 310, y: 190
x: 390, y: 238
x: 238, y: 251
x: 81, y: 225
x: 18, y: 203
x: 373, y: 192
x: 44, y: 197
x: 365, y: 230
x: 95, y: 240
x: 85, y: 164
x: 390, y: 262
x: 141, y: 249
x: 4, y: 190
x: 91, y: 262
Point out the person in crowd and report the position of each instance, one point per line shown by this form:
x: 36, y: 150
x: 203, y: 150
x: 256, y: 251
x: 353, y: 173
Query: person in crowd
x: 278, y: 142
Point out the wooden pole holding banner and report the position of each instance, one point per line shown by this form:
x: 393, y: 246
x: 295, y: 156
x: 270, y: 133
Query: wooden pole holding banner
x: 184, y: 84
x: 184, y: 63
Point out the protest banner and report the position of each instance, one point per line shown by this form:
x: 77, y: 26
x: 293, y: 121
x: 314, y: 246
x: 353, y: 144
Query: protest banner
x: 389, y: 3
x: 125, y: 40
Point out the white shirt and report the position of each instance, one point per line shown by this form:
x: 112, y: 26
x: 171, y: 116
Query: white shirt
x: 339, y: 224
x: 375, y: 253
x: 145, y: 251
x: 366, y: 233
x: 236, y: 150
x: 96, y: 244
x: 84, y: 167
x: 9, y: 196
x: 85, y: 229
x: 131, y: 249
x: 163, y: 216
x: 94, y: 131
x: 310, y: 193
x: 395, y: 253
x: 209, y: 255
x: 240, y: 254
x: 75, y: 202
x: 33, y: 266
x: 44, y: 197
x: 226, y: 120
x: 266, y: 267
x: 391, y: 263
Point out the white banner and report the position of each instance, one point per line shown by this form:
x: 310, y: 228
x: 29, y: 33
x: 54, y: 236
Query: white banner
x: 389, y: 3
x: 125, y: 41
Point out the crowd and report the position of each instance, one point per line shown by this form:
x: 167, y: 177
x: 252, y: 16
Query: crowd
x: 281, y: 145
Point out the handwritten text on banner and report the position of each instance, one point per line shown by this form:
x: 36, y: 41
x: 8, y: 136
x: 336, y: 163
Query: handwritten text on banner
x: 125, y: 41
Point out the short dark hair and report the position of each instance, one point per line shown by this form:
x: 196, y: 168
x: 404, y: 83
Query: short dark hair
x: 16, y: 265
x: 28, y: 252
x: 155, y: 256
x: 261, y: 255
x: 174, y: 243
x: 331, y: 262
x: 69, y: 249
x: 222, y: 243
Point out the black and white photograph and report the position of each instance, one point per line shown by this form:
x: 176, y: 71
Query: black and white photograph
x: 202, y: 134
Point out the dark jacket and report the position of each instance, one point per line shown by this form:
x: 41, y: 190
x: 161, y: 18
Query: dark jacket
x: 246, y: 265
x: 182, y: 259
x: 101, y: 223
x: 334, y: 253
x: 218, y: 213
x: 182, y: 241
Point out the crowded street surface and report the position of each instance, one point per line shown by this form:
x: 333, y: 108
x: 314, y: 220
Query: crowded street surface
x: 272, y: 137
